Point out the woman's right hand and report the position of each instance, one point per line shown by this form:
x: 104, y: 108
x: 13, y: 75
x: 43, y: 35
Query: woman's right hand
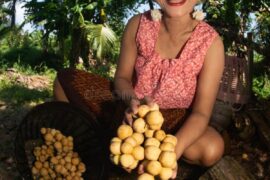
x: 133, y: 108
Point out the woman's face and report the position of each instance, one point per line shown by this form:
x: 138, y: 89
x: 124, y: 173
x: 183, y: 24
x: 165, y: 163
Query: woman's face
x: 177, y: 8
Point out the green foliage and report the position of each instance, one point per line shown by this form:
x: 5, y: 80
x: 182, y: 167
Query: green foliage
x: 18, y: 94
x: 261, y: 86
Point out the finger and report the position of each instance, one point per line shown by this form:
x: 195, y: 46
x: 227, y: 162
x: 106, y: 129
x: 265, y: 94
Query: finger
x: 128, y: 117
x: 140, y: 169
x: 134, y: 105
x: 149, y: 101
x: 174, y: 175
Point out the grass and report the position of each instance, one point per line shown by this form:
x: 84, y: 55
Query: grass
x: 12, y: 92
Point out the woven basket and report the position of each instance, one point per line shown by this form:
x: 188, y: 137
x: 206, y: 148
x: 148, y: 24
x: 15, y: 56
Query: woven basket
x: 89, y: 140
x: 235, y: 82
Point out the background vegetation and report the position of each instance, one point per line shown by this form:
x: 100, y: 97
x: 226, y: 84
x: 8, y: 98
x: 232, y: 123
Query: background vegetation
x: 86, y: 34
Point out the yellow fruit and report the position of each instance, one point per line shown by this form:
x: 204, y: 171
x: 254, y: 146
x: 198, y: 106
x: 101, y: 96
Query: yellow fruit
x: 167, y: 159
x: 143, y: 110
x: 152, y: 153
x: 155, y: 126
x: 75, y: 161
x: 34, y: 170
x: 57, y: 145
x: 146, y: 176
x: 43, y: 130
x: 153, y: 168
x: 149, y: 133
x: 116, y: 139
x: 126, y: 148
x: 115, y: 148
x: 138, y: 137
x: 138, y: 153
x: 43, y: 171
x: 48, y: 137
x: 134, y: 165
x: 159, y: 135
x: 139, y: 125
x: 126, y: 160
x: 171, y: 139
x: 167, y: 146
x: 124, y: 131
x: 154, y: 107
x: 81, y: 167
x: 151, y: 142
x: 38, y: 164
x: 131, y: 141
x: 165, y: 173
x: 115, y: 159
x: 154, y: 118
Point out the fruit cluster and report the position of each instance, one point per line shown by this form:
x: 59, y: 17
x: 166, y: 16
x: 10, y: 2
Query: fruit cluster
x: 146, y: 142
x: 55, y: 159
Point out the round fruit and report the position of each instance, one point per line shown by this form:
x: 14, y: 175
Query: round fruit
x: 151, y: 142
x: 167, y: 146
x: 153, y: 167
x: 149, y: 133
x: 152, y: 153
x: 167, y: 158
x: 171, y: 139
x: 154, y: 118
x: 124, y: 131
x: 131, y: 141
x: 146, y: 176
x: 138, y: 137
x: 126, y: 148
x: 115, y: 148
x: 143, y: 110
x: 165, y: 173
x: 126, y: 160
x: 138, y: 153
x: 139, y: 125
x: 159, y: 135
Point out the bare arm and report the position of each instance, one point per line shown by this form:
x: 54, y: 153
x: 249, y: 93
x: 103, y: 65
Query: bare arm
x: 207, y: 88
x: 125, y: 67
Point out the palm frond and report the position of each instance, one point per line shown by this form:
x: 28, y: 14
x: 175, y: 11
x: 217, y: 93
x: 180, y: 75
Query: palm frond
x: 101, y: 39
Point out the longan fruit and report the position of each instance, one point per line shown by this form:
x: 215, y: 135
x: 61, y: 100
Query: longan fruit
x: 38, y: 164
x: 43, y: 130
x: 58, y: 145
x: 43, y: 171
x: 75, y: 161
x: 81, y: 167
x: 58, y: 136
x: 48, y: 137
x: 35, y: 171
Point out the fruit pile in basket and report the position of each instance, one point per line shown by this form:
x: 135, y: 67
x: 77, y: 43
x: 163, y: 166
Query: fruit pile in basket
x: 145, y: 142
x: 55, y: 159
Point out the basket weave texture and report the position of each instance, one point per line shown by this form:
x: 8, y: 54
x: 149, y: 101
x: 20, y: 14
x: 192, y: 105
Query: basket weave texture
x: 235, y: 82
x: 89, y: 140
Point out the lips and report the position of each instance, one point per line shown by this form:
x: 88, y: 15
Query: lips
x: 176, y: 3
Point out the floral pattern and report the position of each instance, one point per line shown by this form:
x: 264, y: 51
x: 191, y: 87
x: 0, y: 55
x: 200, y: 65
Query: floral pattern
x: 170, y: 82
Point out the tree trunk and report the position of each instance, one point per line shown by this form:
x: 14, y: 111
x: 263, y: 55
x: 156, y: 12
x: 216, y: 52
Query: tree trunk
x: 75, y: 51
x: 13, y: 16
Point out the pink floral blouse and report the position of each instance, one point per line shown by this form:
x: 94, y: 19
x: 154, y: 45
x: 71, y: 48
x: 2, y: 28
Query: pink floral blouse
x: 170, y: 82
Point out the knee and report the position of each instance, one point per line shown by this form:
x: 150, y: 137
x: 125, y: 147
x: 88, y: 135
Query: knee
x: 213, y: 152
x: 58, y: 91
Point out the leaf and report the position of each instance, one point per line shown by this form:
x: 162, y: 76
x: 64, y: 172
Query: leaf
x: 91, y: 6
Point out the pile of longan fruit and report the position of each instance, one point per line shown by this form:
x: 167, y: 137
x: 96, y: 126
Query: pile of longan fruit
x: 55, y: 159
x: 146, y: 142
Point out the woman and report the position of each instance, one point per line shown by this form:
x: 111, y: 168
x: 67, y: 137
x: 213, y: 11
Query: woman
x: 175, y: 61
x: 178, y: 63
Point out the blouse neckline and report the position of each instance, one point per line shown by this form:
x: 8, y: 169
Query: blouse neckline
x: 184, y: 47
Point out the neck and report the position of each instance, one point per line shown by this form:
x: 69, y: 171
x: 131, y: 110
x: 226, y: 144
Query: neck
x: 178, y: 25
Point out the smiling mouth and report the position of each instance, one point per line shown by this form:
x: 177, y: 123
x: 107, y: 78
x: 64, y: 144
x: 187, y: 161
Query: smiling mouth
x: 174, y: 3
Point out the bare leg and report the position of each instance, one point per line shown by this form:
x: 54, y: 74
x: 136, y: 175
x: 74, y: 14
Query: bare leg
x: 207, y: 150
x: 58, y: 92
